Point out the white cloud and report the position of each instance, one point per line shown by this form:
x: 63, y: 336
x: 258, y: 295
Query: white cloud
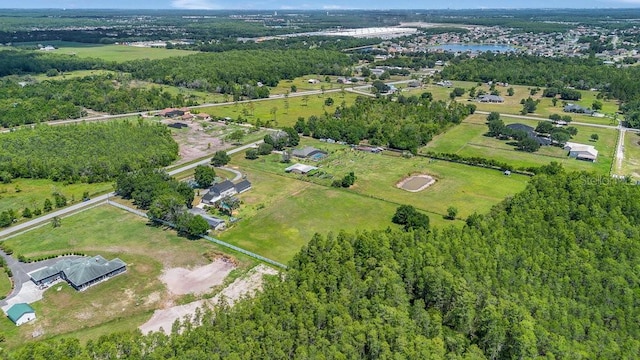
x: 194, y: 4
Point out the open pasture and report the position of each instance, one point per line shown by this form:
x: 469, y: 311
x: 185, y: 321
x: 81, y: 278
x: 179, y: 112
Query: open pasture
x: 468, y: 139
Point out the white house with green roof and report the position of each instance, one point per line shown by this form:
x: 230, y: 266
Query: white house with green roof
x: 21, y: 313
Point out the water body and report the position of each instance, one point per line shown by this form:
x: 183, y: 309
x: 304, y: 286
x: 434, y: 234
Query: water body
x: 474, y: 48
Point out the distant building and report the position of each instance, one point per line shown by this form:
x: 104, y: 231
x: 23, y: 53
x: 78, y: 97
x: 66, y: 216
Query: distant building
x: 300, y: 169
x: 445, y: 83
x: 214, y: 222
x: 21, y: 313
x: 490, y: 99
x: 79, y: 273
x: 530, y: 133
x: 309, y: 152
x: 203, y: 116
x: 371, y: 149
x: 172, y: 112
x: 578, y: 109
x: 313, y: 81
x: 581, y: 151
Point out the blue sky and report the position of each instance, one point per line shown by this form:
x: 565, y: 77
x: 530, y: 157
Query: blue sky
x: 312, y: 4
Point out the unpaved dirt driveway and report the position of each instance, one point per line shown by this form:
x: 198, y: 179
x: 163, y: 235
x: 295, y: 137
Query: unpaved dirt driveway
x: 245, y: 286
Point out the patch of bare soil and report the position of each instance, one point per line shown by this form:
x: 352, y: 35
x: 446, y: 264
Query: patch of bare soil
x: 416, y: 183
x: 194, y: 142
x: 181, y: 281
x: 162, y: 320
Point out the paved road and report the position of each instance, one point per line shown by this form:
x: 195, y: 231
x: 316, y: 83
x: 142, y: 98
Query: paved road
x: 526, y: 117
x: 102, y: 198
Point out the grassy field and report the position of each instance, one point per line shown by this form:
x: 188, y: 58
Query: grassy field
x: 117, y: 53
x: 279, y: 215
x: 31, y: 193
x: 122, y: 303
x: 5, y: 283
x: 304, y: 106
x: 468, y: 139
x: 631, y: 163
x: 283, y: 211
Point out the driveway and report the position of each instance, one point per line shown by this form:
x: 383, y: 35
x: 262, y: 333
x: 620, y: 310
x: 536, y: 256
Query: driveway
x: 21, y: 273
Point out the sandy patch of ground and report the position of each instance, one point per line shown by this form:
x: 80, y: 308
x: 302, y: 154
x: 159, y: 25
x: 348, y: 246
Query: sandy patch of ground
x: 416, y: 183
x: 194, y: 142
x: 245, y: 286
x: 199, y: 280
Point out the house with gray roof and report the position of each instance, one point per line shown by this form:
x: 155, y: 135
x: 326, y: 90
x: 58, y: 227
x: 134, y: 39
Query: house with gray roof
x: 578, y: 109
x: 21, y: 313
x: 80, y: 273
x: 224, y: 189
x: 214, y: 222
x: 309, y: 152
x: 488, y: 98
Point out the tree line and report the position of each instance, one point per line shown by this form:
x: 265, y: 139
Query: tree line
x: 547, y: 273
x: 243, y: 74
x: 69, y: 99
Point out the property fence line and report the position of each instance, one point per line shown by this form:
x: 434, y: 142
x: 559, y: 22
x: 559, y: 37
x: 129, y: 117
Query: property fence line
x: 206, y: 237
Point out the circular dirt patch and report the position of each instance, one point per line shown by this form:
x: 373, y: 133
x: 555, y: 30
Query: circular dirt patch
x: 416, y: 183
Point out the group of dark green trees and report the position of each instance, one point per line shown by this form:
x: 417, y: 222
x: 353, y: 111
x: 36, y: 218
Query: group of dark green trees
x: 548, y: 273
x: 85, y: 152
x: 405, y: 125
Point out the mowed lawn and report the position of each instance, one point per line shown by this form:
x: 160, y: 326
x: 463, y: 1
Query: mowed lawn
x: 5, y: 283
x: 299, y: 106
x: 117, y: 53
x: 631, y: 162
x: 468, y: 139
x: 31, y: 193
x: 121, y: 303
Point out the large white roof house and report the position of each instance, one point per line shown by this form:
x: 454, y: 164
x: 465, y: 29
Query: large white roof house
x: 581, y: 151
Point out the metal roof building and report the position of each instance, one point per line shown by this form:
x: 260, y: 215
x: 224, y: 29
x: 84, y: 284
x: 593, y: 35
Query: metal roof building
x: 80, y: 273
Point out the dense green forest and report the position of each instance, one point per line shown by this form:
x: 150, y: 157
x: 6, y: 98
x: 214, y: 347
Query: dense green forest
x: 551, y: 272
x: 405, y: 124
x: 239, y: 72
x: 85, y: 152
x: 67, y: 99
x: 581, y: 73
x: 18, y: 62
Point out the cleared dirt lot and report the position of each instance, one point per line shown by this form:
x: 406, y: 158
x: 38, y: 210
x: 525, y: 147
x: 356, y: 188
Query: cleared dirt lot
x: 163, y: 319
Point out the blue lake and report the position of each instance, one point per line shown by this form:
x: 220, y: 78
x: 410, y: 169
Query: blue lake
x: 474, y: 48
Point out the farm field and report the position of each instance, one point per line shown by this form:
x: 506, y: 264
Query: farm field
x: 631, y: 163
x: 469, y: 189
x: 117, y: 53
x: 299, y: 106
x: 121, y: 303
x: 467, y: 139
x: 31, y: 193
